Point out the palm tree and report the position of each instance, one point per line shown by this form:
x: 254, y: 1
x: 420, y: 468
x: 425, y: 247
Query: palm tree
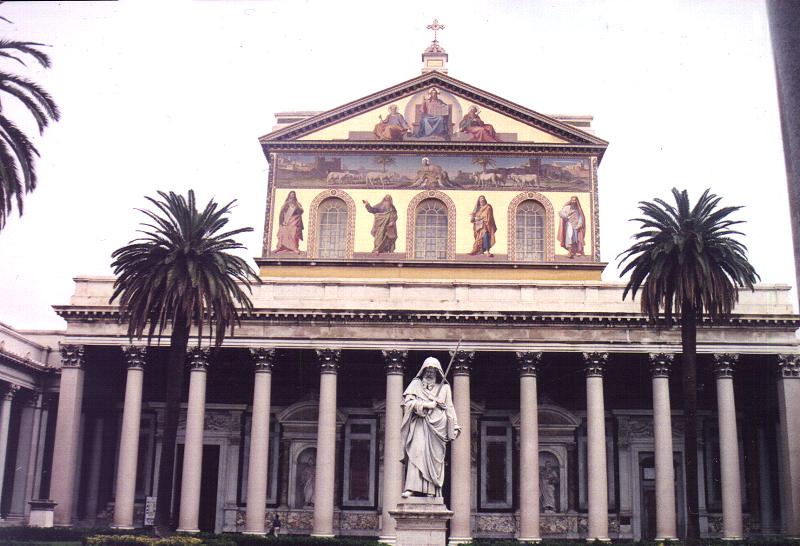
x: 686, y: 262
x: 180, y: 273
x: 17, y: 168
x: 484, y: 162
x: 384, y: 161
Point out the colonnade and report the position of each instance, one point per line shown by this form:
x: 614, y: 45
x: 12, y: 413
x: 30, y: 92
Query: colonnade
x: 595, y: 365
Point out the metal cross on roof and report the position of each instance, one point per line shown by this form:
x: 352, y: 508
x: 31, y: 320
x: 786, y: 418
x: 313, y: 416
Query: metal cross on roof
x: 435, y: 26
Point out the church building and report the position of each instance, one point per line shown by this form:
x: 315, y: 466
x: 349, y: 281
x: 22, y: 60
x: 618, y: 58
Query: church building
x: 431, y: 218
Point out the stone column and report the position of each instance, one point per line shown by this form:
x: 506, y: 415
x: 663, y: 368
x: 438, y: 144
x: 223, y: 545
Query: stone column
x: 129, y: 438
x: 258, y: 468
x: 68, y: 429
x: 529, y: 363
x: 461, y: 456
x: 27, y: 447
x: 392, y: 450
x: 193, y: 443
x: 730, y: 471
x: 5, y: 422
x: 595, y: 366
x: 326, y: 443
x: 789, y: 413
x: 666, y: 522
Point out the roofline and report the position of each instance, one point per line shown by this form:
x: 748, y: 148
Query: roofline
x: 313, y: 123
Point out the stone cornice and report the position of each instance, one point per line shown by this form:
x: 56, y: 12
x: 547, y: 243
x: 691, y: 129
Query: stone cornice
x: 74, y: 313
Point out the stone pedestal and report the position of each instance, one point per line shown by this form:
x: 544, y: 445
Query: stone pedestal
x: 421, y: 521
x: 41, y: 514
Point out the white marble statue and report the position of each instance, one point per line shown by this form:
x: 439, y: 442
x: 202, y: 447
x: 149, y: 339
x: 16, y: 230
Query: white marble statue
x: 429, y: 422
x: 548, y: 481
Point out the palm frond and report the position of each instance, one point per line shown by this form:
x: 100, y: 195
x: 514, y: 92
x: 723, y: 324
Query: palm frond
x: 686, y: 254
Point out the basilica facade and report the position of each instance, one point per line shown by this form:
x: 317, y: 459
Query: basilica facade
x: 432, y: 218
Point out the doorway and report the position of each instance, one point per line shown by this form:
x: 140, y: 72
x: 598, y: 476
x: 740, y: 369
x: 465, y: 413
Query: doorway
x: 647, y: 495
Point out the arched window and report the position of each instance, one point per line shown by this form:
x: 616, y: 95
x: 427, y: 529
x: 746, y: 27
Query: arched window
x: 430, y: 230
x: 332, y: 242
x: 530, y: 231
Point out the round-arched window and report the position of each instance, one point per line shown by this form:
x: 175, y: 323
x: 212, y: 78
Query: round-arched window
x: 530, y: 231
x: 430, y: 232
x: 332, y: 242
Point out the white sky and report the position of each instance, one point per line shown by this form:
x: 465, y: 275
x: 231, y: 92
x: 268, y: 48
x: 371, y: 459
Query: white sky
x: 174, y: 95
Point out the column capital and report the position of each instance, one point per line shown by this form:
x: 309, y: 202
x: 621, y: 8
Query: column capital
x: 197, y: 358
x: 329, y: 360
x: 661, y: 364
x: 529, y: 362
x: 263, y: 359
x: 724, y: 363
x: 594, y: 364
x: 788, y: 367
x: 135, y: 357
x: 71, y: 356
x: 395, y: 361
x: 10, y: 391
x: 462, y: 362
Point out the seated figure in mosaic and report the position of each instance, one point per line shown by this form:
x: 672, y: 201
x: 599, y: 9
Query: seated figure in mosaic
x: 429, y: 423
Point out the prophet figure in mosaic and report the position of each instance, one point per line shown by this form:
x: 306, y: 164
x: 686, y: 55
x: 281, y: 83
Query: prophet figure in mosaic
x: 483, y: 227
x: 384, y: 225
x: 572, y: 228
x: 290, y: 229
x: 434, y: 117
x: 429, y: 423
x: 393, y: 127
x: 478, y: 131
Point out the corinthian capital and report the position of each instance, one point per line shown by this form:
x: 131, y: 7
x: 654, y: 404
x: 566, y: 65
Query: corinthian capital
x: 594, y: 364
x: 135, y: 357
x: 529, y: 362
x: 788, y: 366
x: 661, y: 364
x: 329, y: 360
x: 263, y: 358
x: 71, y: 356
x: 198, y: 358
x: 395, y: 361
x: 724, y: 363
x: 462, y: 362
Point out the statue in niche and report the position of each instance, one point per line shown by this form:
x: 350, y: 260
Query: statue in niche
x: 548, y: 483
x: 429, y: 422
x: 306, y: 469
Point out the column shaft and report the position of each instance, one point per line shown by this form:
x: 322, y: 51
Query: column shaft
x: 68, y: 428
x: 326, y: 455
x: 529, y: 460
x: 665, y: 471
x: 461, y: 457
x: 128, y: 450
x: 597, y: 465
x: 259, y: 444
x: 789, y: 413
x: 730, y: 471
x: 392, y: 448
x: 193, y: 452
x: 596, y: 447
x: 5, y: 424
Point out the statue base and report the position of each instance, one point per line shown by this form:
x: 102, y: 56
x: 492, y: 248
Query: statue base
x: 421, y: 521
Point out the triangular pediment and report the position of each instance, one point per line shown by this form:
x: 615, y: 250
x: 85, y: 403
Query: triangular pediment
x: 434, y: 108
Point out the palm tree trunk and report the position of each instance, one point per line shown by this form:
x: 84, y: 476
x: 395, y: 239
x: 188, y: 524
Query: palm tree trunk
x: 689, y: 379
x: 179, y: 341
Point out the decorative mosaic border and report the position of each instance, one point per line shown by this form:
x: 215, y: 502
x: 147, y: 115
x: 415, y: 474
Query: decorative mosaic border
x: 549, y: 224
x: 314, y: 220
x: 411, y: 221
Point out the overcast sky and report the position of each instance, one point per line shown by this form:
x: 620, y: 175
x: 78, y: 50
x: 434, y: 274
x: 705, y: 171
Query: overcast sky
x: 174, y: 95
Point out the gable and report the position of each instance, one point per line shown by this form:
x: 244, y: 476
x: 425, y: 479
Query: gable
x: 369, y: 126
x: 434, y: 108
